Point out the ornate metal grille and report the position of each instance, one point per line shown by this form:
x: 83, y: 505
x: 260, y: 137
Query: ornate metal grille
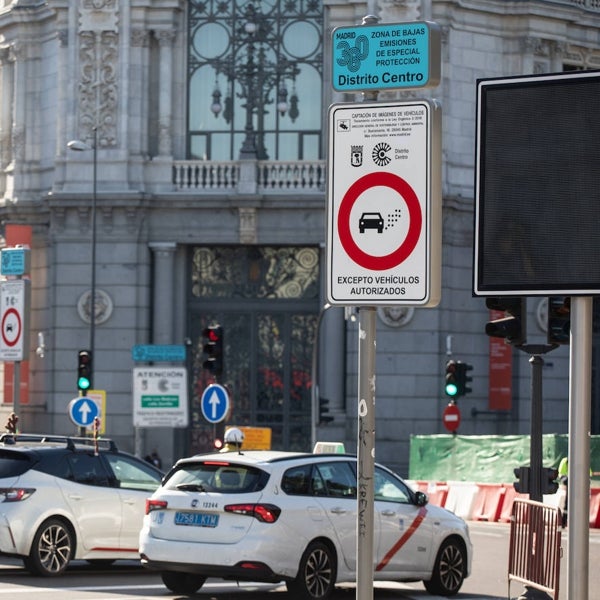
x: 255, y: 79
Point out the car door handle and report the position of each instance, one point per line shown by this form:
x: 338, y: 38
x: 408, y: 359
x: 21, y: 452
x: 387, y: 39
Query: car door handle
x: 75, y: 496
x: 129, y: 500
x: 338, y: 510
x: 388, y: 513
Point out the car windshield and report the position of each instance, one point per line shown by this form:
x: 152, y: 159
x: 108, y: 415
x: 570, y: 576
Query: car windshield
x: 217, y: 476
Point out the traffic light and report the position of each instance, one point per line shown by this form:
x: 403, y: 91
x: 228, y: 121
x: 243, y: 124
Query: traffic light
x: 462, y: 378
x: 559, y: 319
x: 84, y: 370
x: 451, y: 381
x: 213, y: 348
x: 323, y: 410
x: 513, y: 328
x: 549, y: 483
x: 522, y: 483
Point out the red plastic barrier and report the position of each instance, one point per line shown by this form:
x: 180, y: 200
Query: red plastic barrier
x: 595, y: 508
x: 488, y: 502
x: 437, y: 494
x: 510, y: 495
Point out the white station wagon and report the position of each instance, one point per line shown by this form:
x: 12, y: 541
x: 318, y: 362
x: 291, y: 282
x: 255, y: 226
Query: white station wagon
x: 281, y: 516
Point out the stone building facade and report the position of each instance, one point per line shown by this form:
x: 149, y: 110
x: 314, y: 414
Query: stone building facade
x: 188, y: 234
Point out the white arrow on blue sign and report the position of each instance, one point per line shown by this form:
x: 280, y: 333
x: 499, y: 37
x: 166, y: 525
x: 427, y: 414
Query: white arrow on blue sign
x: 215, y: 403
x: 83, y: 411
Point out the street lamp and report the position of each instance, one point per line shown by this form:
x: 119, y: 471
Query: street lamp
x: 79, y: 146
x: 258, y: 67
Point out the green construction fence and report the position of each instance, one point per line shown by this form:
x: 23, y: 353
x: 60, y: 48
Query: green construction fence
x: 484, y: 458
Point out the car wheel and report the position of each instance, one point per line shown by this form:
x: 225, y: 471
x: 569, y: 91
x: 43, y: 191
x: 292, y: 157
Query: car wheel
x: 52, y: 549
x: 316, y: 574
x: 449, y: 569
x: 182, y: 583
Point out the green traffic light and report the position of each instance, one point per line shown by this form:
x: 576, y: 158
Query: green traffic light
x: 83, y: 383
x: 451, y: 389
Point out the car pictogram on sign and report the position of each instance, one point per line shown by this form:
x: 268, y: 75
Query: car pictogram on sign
x: 371, y: 220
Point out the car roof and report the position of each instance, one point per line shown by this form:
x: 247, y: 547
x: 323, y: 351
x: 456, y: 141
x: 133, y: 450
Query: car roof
x: 43, y: 441
x: 257, y: 457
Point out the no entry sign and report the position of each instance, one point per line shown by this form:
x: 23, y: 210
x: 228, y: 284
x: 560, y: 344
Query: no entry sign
x: 384, y: 205
x: 451, y: 417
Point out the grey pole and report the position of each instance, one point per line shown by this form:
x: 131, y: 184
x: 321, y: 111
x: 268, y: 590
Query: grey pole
x: 365, y: 453
x: 579, y: 448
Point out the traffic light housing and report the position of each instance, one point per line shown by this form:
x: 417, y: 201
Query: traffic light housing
x: 549, y: 480
x: 559, y: 319
x: 451, y: 385
x: 323, y: 410
x: 213, y: 348
x: 513, y: 326
x: 84, y: 370
x: 522, y: 483
x: 463, y: 379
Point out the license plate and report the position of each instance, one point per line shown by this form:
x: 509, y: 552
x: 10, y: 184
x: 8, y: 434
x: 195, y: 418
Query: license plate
x: 195, y: 519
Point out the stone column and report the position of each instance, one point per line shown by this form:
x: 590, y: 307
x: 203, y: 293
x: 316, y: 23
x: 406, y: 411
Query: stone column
x: 163, y: 309
x: 165, y: 41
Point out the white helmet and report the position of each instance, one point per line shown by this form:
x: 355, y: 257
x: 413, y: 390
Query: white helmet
x: 234, y: 436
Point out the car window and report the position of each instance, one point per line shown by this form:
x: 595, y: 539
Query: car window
x: 217, y: 477
x: 296, y: 481
x: 390, y: 489
x: 88, y: 469
x: 13, y: 464
x: 335, y: 479
x: 131, y: 474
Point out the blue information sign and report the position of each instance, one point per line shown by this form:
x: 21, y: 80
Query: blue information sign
x: 158, y: 353
x: 83, y: 411
x: 390, y: 56
x: 14, y: 261
x: 215, y: 403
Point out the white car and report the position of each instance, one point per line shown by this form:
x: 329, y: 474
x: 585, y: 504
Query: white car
x: 63, y: 498
x: 281, y: 516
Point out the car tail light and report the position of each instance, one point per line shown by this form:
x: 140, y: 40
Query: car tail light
x: 15, y: 494
x: 267, y: 513
x: 155, y: 505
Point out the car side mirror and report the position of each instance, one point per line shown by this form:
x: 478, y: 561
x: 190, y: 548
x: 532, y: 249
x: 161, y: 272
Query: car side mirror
x: 421, y: 499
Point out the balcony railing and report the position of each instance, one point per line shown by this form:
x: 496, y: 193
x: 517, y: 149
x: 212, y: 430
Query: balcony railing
x: 270, y: 176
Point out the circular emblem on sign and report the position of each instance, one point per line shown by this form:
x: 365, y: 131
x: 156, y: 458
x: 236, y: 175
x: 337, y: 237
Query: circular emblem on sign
x: 404, y: 194
x: 381, y: 155
x: 11, y: 327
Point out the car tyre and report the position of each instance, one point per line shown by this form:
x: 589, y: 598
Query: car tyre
x: 52, y: 548
x: 449, y: 569
x: 182, y: 583
x: 316, y: 574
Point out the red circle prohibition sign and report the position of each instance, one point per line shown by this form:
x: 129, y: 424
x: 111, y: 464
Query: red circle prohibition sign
x: 393, y: 259
x: 11, y: 311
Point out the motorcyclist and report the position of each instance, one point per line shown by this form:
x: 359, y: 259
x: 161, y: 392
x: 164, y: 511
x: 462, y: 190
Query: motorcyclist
x: 233, y: 440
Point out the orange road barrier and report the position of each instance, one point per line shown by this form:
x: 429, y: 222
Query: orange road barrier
x: 535, y: 546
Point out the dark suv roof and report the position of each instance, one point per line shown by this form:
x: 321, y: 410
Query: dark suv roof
x: 21, y: 452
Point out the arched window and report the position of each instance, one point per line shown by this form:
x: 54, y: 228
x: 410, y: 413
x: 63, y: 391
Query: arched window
x: 255, y: 79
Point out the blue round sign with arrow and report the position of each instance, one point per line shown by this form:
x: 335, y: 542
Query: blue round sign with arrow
x: 83, y: 411
x: 215, y: 403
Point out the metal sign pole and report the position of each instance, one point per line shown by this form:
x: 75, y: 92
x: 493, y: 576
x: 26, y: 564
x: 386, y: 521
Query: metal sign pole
x: 365, y: 453
x: 580, y: 394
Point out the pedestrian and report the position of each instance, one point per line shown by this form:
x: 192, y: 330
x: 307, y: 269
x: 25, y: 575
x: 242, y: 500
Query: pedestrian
x: 234, y: 438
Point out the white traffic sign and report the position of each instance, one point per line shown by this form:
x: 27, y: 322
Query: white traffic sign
x: 160, y: 397
x: 14, y: 319
x: 215, y: 403
x: 83, y: 411
x: 384, y: 205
